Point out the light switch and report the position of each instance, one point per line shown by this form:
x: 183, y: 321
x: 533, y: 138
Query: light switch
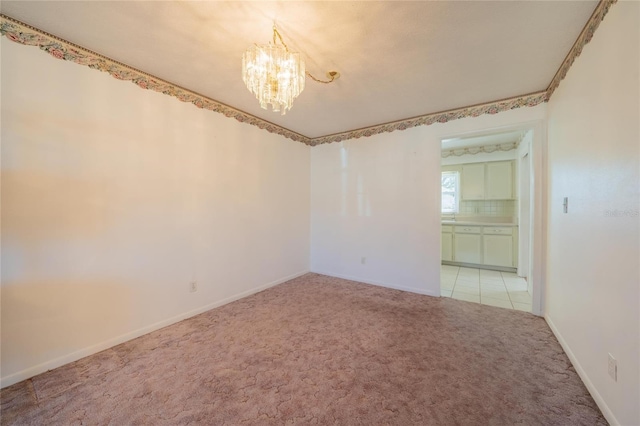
x: 565, y: 205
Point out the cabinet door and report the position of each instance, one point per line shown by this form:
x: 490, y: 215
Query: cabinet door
x: 447, y: 246
x: 473, y: 181
x: 467, y: 248
x: 498, y: 250
x: 499, y: 180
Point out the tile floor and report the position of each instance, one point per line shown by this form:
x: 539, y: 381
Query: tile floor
x: 495, y: 288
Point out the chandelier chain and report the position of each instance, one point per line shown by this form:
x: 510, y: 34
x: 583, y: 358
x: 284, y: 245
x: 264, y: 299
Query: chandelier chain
x: 276, y: 33
x: 332, y: 75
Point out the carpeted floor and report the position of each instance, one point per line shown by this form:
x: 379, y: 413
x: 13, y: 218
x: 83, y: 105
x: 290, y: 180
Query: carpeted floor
x: 321, y: 350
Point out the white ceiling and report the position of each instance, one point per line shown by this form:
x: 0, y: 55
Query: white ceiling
x: 396, y: 59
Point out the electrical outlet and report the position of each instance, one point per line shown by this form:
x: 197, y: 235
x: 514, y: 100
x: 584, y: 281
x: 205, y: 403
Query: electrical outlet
x: 613, y: 368
x: 193, y: 286
x: 363, y: 260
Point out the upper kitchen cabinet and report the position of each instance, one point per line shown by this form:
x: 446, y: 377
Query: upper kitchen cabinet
x: 487, y: 181
x: 499, y: 181
x: 473, y: 181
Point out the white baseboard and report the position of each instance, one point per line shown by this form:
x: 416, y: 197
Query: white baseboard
x: 76, y: 355
x: 606, y: 411
x: 379, y: 284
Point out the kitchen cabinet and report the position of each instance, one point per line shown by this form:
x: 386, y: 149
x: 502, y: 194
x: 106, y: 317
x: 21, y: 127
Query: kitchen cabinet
x: 473, y: 181
x: 499, y: 180
x: 497, y: 246
x: 447, y: 243
x: 468, y: 244
x: 487, y: 181
x: 480, y: 245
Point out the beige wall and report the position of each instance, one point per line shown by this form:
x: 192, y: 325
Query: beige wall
x: 115, y: 198
x: 593, y: 278
x: 379, y: 198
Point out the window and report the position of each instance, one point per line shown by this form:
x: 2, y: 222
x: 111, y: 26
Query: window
x: 450, y: 192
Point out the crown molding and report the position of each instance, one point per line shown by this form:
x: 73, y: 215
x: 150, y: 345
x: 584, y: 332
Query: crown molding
x: 585, y: 37
x: 59, y: 48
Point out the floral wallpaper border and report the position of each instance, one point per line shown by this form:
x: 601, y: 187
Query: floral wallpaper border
x: 439, y: 117
x: 585, y: 37
x: 472, y: 150
x: 22, y: 33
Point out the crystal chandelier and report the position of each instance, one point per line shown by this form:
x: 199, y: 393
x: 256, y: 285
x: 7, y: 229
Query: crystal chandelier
x: 274, y: 74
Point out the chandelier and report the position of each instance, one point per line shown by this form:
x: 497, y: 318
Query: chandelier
x: 276, y: 75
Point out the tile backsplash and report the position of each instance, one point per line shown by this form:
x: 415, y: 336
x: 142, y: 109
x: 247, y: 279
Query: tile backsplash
x: 489, y: 208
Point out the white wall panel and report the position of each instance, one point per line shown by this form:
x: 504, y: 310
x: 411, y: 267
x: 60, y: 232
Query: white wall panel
x: 593, y: 291
x: 379, y: 198
x: 115, y: 198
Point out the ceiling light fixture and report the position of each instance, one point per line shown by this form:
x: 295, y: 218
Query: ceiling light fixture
x: 275, y: 75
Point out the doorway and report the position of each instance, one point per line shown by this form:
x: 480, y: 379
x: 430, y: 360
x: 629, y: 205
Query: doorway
x: 488, y: 240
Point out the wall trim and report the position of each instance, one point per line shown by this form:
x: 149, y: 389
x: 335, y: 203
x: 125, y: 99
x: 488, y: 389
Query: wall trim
x: 377, y: 283
x: 98, y: 347
x: 59, y: 48
x: 473, y: 150
x: 493, y: 107
x: 600, y: 402
x: 585, y: 37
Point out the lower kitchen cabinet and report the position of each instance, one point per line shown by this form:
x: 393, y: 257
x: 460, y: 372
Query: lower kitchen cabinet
x: 498, y: 246
x: 468, y: 244
x: 480, y: 245
x: 498, y: 250
x: 447, y: 243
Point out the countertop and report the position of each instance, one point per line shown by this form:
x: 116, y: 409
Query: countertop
x: 477, y: 223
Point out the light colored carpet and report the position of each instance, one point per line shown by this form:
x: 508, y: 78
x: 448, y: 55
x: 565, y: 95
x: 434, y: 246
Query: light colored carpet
x: 321, y: 350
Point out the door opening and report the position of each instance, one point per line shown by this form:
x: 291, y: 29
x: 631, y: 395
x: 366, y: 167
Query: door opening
x: 487, y: 219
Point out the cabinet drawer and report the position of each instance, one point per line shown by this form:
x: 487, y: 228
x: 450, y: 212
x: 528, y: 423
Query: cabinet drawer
x: 447, y: 228
x: 498, y: 230
x: 468, y: 229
